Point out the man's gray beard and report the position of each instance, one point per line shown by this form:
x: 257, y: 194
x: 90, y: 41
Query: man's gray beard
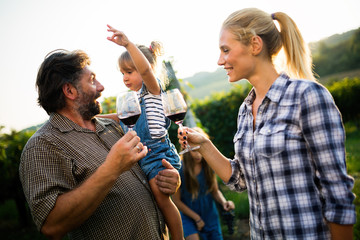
x: 90, y: 110
x: 88, y: 107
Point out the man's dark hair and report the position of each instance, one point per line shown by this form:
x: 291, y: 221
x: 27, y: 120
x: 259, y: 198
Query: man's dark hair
x: 59, y: 67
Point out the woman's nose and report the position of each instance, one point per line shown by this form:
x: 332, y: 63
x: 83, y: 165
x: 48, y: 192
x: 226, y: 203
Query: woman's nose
x: 221, y: 61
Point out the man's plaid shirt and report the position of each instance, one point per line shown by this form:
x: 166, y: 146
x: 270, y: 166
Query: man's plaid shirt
x: 61, y: 155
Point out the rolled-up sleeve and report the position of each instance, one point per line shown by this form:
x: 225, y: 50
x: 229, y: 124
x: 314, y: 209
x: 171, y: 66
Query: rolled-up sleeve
x: 43, y: 177
x: 324, y: 133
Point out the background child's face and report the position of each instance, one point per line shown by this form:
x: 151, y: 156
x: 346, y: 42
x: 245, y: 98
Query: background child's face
x: 196, y: 156
x: 132, y: 79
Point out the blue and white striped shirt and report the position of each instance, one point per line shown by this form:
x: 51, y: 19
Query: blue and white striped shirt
x: 155, y: 115
x: 293, y: 163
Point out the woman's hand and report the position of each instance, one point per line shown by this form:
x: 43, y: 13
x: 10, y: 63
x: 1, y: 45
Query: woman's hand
x: 188, y: 135
x: 168, y: 180
x: 118, y: 37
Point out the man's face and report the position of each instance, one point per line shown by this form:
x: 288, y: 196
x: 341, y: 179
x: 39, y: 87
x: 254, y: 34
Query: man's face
x: 89, y: 89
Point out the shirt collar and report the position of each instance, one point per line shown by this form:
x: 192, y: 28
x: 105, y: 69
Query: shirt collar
x: 66, y: 125
x: 277, y: 89
x: 275, y: 92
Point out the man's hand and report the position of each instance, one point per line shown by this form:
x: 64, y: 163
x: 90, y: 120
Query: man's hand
x: 168, y: 180
x: 126, y: 152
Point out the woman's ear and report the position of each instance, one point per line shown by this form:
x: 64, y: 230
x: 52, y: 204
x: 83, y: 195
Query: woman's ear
x: 257, y: 45
x: 69, y: 91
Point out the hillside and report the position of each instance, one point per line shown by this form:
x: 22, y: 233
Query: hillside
x: 331, y: 41
x: 203, y: 84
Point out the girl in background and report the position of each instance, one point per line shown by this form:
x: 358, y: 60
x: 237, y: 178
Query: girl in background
x: 196, y: 198
x: 137, y: 65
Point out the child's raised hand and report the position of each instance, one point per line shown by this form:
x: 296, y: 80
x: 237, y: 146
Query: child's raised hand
x: 118, y: 37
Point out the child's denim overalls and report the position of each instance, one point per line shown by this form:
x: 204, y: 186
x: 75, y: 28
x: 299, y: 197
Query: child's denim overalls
x: 159, y: 149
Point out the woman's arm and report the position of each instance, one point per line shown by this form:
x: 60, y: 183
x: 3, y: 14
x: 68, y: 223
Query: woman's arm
x: 341, y: 232
x: 217, y: 161
x: 142, y: 65
x: 324, y: 134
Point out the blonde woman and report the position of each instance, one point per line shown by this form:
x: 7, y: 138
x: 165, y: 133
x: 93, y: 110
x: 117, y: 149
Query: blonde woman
x: 289, y: 145
x: 196, y: 198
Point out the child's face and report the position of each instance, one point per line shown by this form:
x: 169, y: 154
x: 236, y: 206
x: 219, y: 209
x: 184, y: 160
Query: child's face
x: 132, y: 79
x: 196, y: 156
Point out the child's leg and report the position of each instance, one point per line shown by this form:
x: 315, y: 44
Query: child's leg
x: 169, y: 210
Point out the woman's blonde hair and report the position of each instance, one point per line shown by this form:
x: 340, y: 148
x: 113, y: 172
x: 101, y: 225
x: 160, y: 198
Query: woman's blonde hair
x: 249, y: 22
x: 152, y: 54
x: 191, y: 182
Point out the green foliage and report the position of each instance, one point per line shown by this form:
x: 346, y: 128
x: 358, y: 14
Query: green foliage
x: 109, y: 105
x: 218, y: 114
x: 340, y: 57
x: 11, y: 146
x: 347, y: 98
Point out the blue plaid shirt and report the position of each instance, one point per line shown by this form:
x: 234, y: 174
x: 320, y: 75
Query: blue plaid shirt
x: 293, y: 163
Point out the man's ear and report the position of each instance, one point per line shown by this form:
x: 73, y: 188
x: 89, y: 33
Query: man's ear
x: 257, y: 45
x: 69, y: 91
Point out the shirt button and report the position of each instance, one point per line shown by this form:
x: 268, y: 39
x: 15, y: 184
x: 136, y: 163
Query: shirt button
x: 269, y: 131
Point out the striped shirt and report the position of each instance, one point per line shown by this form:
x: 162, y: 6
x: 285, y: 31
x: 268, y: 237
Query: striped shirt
x: 293, y: 163
x: 61, y: 155
x: 154, y: 114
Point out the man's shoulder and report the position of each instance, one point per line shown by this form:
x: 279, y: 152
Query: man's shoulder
x: 110, y: 123
x: 44, y: 132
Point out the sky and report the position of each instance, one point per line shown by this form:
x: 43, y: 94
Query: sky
x: 188, y: 29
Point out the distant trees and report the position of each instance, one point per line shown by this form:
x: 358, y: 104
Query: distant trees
x: 343, y: 56
x: 346, y: 94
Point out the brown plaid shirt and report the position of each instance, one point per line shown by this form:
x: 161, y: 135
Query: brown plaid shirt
x: 61, y: 155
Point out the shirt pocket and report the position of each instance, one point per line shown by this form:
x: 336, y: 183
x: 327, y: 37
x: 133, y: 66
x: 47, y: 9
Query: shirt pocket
x: 270, y: 141
x: 239, y: 144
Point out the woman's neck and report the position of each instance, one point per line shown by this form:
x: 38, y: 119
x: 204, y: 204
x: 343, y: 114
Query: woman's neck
x: 263, y: 80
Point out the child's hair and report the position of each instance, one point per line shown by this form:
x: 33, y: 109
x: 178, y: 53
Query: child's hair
x: 152, y: 53
x: 192, y: 185
x: 249, y: 22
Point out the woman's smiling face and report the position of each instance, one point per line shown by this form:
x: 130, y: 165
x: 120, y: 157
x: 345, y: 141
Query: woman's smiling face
x: 235, y: 57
